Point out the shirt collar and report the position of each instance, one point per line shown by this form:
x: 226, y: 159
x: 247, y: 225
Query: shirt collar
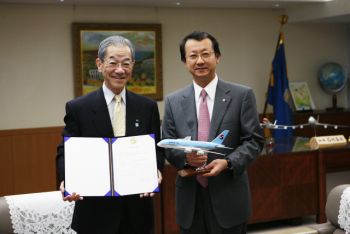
x: 109, y: 95
x: 210, y: 88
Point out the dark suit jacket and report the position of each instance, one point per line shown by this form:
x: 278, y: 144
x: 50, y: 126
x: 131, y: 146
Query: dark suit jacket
x: 235, y: 110
x: 87, y: 116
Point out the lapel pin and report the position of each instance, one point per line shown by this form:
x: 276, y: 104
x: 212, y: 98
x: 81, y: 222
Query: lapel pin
x: 224, y: 100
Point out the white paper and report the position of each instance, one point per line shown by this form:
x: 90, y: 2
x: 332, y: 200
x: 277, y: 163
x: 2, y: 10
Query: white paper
x: 136, y: 170
x: 87, y: 167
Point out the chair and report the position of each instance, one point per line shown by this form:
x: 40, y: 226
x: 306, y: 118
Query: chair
x: 44, y: 212
x: 332, y: 212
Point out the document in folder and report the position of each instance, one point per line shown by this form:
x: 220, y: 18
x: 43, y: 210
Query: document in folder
x: 110, y: 166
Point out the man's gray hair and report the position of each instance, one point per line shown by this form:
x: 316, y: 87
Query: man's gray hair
x: 115, y: 41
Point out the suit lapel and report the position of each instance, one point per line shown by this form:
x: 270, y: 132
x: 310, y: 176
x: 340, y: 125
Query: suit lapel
x: 188, y: 105
x: 100, y: 116
x: 131, y: 114
x: 221, y: 103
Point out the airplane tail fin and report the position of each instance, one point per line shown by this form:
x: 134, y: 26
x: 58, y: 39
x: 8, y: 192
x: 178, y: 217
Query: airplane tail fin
x: 221, y: 137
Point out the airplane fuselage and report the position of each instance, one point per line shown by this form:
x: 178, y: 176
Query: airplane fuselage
x: 169, y: 143
x: 201, y: 147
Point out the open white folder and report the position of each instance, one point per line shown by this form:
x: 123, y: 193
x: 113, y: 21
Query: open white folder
x: 110, y: 166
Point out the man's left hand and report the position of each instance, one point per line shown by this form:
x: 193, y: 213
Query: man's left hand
x: 160, y: 178
x: 216, y: 167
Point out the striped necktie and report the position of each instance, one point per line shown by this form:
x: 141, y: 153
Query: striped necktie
x: 118, y: 117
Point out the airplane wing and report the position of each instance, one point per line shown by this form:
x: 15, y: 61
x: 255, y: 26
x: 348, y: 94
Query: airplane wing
x: 191, y: 149
x: 283, y: 126
x: 277, y: 126
x: 315, y: 122
x: 267, y: 124
x: 207, y: 151
x: 335, y: 126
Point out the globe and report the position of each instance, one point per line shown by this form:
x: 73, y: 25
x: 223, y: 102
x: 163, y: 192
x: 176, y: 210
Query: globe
x: 332, y: 79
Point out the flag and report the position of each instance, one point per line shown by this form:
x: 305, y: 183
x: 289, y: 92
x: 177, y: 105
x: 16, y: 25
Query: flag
x: 278, y: 94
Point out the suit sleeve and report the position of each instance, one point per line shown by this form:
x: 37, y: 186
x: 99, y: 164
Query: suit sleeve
x: 155, y: 128
x: 175, y: 157
x: 251, y: 138
x: 71, y: 129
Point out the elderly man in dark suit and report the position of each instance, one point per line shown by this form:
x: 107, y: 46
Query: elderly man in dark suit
x: 217, y: 202
x: 93, y: 115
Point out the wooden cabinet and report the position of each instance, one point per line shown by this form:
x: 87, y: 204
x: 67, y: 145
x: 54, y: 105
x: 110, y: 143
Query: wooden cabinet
x: 284, y: 186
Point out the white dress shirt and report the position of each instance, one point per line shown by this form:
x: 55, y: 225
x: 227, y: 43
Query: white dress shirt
x: 109, y: 97
x: 211, y: 90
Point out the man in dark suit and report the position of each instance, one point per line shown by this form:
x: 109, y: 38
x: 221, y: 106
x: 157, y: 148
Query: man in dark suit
x: 91, y: 116
x: 219, y: 201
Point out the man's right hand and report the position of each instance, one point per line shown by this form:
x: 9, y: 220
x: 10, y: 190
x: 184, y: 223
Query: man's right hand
x: 195, y: 160
x: 70, y: 198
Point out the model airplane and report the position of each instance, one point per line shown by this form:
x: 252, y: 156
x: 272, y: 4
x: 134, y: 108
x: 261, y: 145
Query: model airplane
x: 311, y: 122
x: 201, y: 147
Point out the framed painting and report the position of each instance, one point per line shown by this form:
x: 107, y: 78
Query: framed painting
x: 146, y: 38
x: 301, y: 96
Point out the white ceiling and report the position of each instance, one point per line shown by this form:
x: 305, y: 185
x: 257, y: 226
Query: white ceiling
x: 333, y: 11
x: 284, y: 4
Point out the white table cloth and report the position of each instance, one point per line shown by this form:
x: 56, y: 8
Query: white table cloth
x: 344, y: 211
x: 40, y: 213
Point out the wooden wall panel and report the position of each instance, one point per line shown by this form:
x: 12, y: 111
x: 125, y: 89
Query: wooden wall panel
x: 34, y: 162
x: 28, y: 157
x: 339, y: 161
x: 6, y: 169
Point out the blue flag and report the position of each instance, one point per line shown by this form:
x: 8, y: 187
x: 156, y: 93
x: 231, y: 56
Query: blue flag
x: 278, y: 94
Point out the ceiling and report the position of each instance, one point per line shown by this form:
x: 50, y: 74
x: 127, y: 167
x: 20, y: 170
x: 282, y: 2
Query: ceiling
x: 283, y: 4
x: 331, y: 11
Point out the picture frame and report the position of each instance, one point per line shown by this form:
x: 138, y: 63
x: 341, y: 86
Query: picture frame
x: 147, y: 73
x: 301, y: 96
